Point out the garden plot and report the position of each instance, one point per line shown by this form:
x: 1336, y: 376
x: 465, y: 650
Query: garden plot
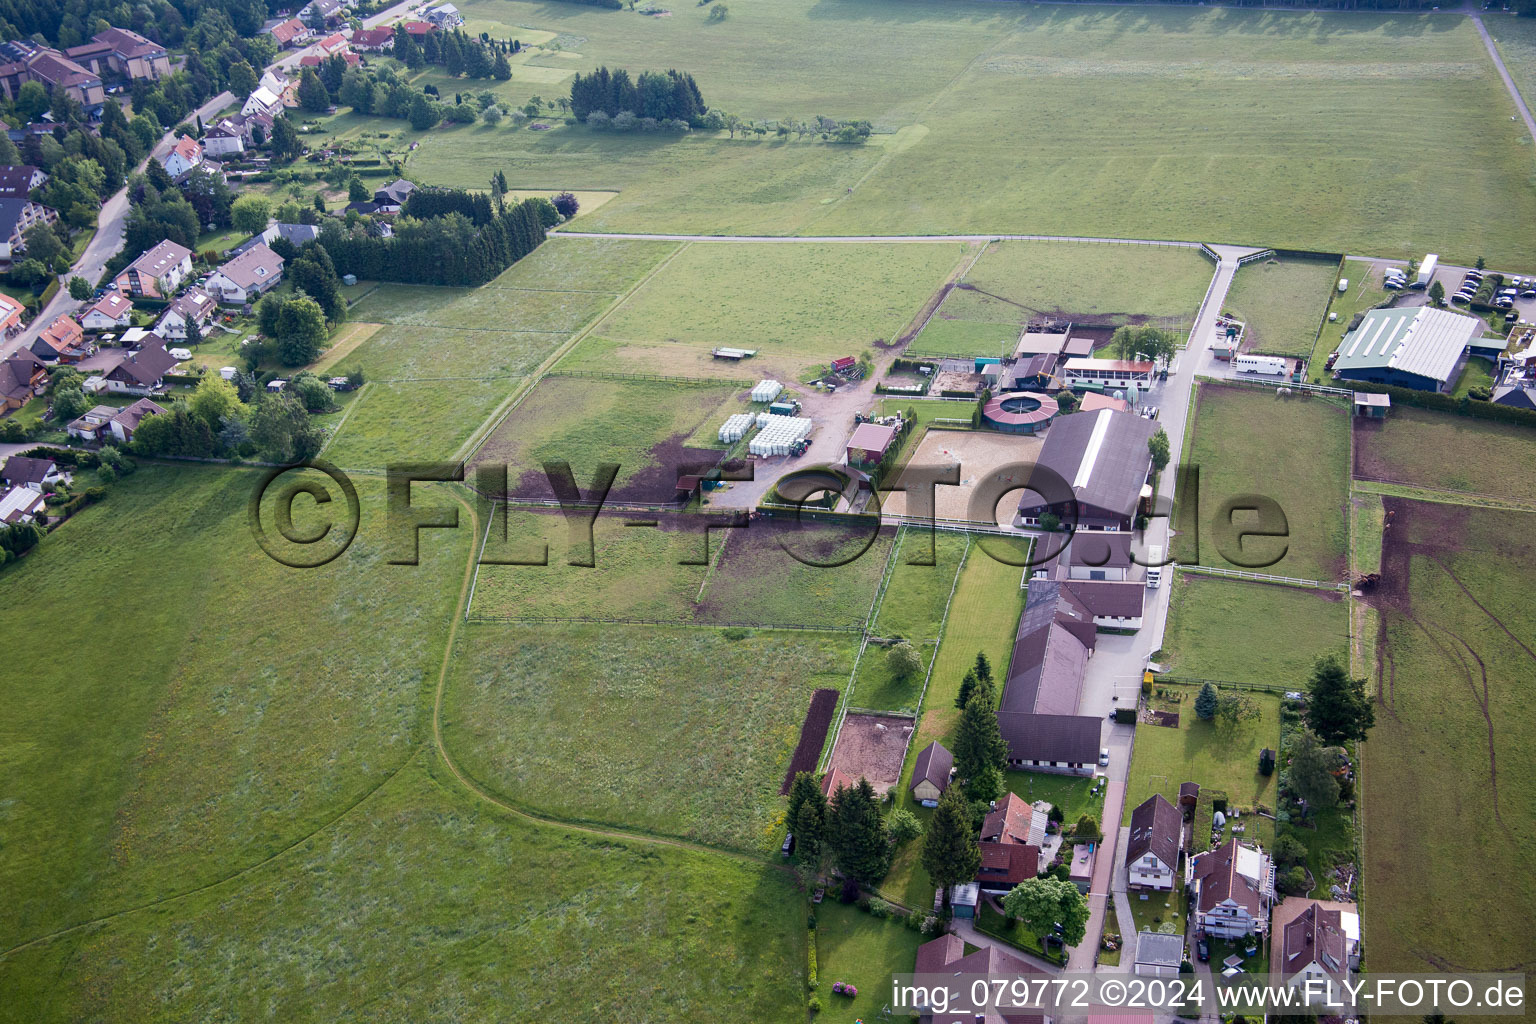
x: 587, y: 422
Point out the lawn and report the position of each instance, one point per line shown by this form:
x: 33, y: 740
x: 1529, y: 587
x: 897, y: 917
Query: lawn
x: 1447, y: 452
x: 917, y: 595
x: 190, y: 736
x: 547, y: 717
x: 1250, y: 632
x: 420, y: 897
x: 413, y: 421
x: 1259, y: 126
x: 1017, y: 281
x: 876, y: 687
x: 855, y: 947
x: 586, y: 422
x: 943, y: 336
x: 1073, y: 794
x: 1282, y: 301
x: 1365, y: 293
x: 1367, y: 519
x: 845, y: 298
x: 1477, y: 373
x: 1448, y: 755
x: 1293, y: 450
x: 1216, y: 755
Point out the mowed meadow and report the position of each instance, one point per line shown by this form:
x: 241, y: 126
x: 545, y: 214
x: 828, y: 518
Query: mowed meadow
x: 1264, y: 127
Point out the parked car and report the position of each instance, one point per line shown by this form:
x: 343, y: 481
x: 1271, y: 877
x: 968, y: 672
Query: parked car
x: 1295, y: 695
x: 1104, y: 756
x: 1461, y: 298
x: 1503, y: 302
x: 1512, y: 316
x: 1203, y: 950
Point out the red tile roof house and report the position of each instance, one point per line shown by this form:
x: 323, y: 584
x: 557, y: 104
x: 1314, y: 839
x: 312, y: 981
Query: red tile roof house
x: 20, y: 376
x: 246, y: 277
x: 110, y: 311
x: 185, y: 155
x: 159, y: 271
x: 41, y: 475
x: 141, y: 372
x: 373, y: 40
x: 62, y: 342
x: 945, y: 962
x: 1152, y: 856
x: 1230, y: 890
x: 1314, y: 939
x: 1011, y: 837
x: 10, y: 316
x: 292, y: 32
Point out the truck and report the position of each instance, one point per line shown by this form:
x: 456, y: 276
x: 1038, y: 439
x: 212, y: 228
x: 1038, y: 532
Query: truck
x: 1154, y: 566
x: 1426, y: 271
x: 1258, y: 364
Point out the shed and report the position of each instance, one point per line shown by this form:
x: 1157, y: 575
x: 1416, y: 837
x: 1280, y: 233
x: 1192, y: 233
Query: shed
x: 964, y: 899
x: 1371, y: 405
x: 845, y: 363
x: 1189, y: 794
x: 930, y: 774
x: 1083, y: 858
x: 870, y: 443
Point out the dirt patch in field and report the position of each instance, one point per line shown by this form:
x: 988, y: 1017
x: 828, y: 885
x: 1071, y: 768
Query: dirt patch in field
x: 872, y: 746
x: 813, y: 733
x: 656, y: 484
x: 986, y: 460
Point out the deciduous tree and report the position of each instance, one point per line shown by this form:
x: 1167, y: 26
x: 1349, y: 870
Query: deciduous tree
x: 1043, y: 903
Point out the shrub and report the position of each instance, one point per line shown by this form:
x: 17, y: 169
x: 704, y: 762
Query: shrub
x: 880, y: 908
x: 1266, y: 761
x: 810, y: 963
x: 814, y: 1004
x: 1294, y: 881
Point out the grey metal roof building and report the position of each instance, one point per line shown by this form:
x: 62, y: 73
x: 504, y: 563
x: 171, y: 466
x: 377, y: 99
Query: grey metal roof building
x: 1412, y: 347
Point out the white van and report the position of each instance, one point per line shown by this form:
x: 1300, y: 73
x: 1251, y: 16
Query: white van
x: 1154, y: 566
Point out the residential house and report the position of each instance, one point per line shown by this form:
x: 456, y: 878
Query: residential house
x: 225, y: 139
x: 10, y: 316
x: 111, y: 311
x: 314, y: 60
x: 321, y: 10
x: 53, y: 70
x: 42, y: 475
x: 417, y: 28
x: 93, y: 425
x: 279, y: 84
x: 141, y: 372
x: 17, y: 217
x: 160, y: 271
x: 123, y: 52
x: 1230, y: 889
x: 944, y: 962
x: 18, y: 180
x: 20, y: 505
x: 192, y: 305
x: 127, y: 420
x: 930, y: 774
x: 445, y: 17
x: 1158, y: 954
x: 373, y: 40
x: 246, y: 277
x: 391, y: 197
x: 185, y: 155
x: 263, y: 101
x: 1011, y: 836
x: 1516, y: 382
x: 21, y: 375
x: 1152, y: 856
x: 292, y: 32
x: 62, y: 341
x: 1314, y: 939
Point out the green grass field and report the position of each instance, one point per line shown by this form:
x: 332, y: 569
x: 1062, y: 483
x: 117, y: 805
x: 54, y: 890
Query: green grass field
x: 1294, y: 451
x: 878, y: 688
x: 1217, y: 756
x: 587, y: 422
x: 1282, y: 301
x: 817, y: 575
x: 1250, y: 632
x: 1447, y: 756
x: 1436, y: 450
x: 549, y: 718
x: 916, y: 595
x: 1018, y: 281
x: 388, y: 424
x: 797, y: 305
x: 942, y: 336
x: 1280, y: 138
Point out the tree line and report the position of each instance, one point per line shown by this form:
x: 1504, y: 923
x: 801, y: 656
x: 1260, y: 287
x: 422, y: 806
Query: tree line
x: 456, y: 52
x: 443, y: 250
x: 662, y: 96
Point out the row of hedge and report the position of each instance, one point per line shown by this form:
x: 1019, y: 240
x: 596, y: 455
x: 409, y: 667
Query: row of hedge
x: 1437, y: 402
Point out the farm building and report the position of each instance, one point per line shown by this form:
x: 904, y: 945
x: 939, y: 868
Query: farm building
x: 835, y: 780
x: 930, y: 775
x: 1152, y: 856
x: 1038, y: 712
x: 1413, y: 347
x: 1093, y: 402
x: 1107, y: 373
x: 1102, y: 458
x: 870, y: 443
x: 1097, y: 569
x: 1020, y: 412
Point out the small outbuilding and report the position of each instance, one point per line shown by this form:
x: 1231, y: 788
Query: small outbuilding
x: 930, y: 775
x: 1158, y: 954
x: 1189, y: 795
x: 870, y: 443
x: 1371, y: 405
x: 1081, y: 872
